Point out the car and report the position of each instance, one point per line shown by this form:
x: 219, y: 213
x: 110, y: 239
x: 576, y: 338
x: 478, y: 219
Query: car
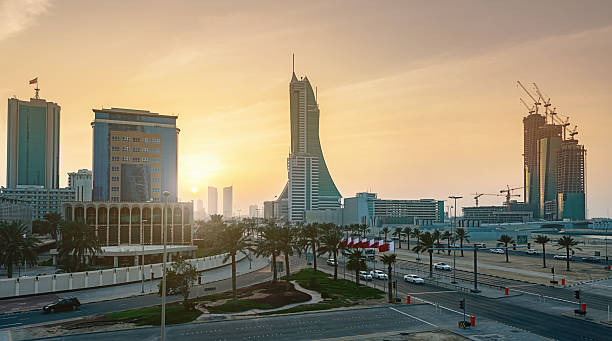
x: 442, y: 266
x: 413, y: 279
x: 379, y: 274
x: 365, y: 276
x: 591, y: 259
x: 332, y: 261
x: 480, y: 245
x: 499, y: 251
x: 59, y: 271
x: 532, y: 252
x: 62, y: 304
x: 563, y: 257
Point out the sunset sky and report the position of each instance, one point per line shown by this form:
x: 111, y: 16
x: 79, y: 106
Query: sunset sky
x: 418, y: 99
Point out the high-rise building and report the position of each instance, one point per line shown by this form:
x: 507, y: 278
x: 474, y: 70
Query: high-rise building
x: 570, y: 181
x: 213, y: 198
x: 228, y: 202
x: 134, y: 156
x: 309, y: 186
x: 81, y: 183
x: 531, y: 137
x: 41, y: 200
x: 253, y: 211
x: 33, y: 130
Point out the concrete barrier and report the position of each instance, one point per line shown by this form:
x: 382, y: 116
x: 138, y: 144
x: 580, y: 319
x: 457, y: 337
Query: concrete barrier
x: 32, y: 285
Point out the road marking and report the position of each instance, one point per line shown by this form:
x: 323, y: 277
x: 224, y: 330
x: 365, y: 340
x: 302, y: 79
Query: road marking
x: 549, y: 297
x: 414, y: 317
x: 10, y: 324
x: 431, y: 292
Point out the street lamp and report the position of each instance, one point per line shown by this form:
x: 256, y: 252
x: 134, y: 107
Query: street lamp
x: 454, y: 197
x: 142, y: 244
x: 163, y: 317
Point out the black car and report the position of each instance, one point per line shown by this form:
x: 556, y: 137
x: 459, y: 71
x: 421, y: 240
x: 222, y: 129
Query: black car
x: 62, y: 305
x: 591, y: 259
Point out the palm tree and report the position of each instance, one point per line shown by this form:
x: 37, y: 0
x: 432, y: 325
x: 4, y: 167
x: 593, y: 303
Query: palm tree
x: 268, y: 246
x: 234, y: 240
x: 426, y: 243
x: 436, y: 236
x: 398, y: 234
x: 330, y: 243
x: 407, y: 231
x: 568, y: 243
x: 462, y: 234
x: 78, y: 240
x: 288, y: 243
x: 356, y: 263
x: 16, y: 245
x: 416, y: 233
x: 310, y: 238
x: 447, y: 235
x: 542, y: 239
x: 385, y: 231
x: 504, y: 240
x: 53, y: 221
x: 389, y: 260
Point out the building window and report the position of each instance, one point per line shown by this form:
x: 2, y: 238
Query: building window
x: 146, y: 139
x: 155, y: 179
x: 115, y: 159
x: 155, y: 150
x: 114, y: 138
x: 156, y: 140
x: 136, y: 149
x: 155, y: 170
x: 126, y: 158
x: 115, y: 168
x: 136, y: 139
x: 155, y: 190
x: 126, y: 138
x: 115, y: 199
x: 114, y: 189
x: 156, y: 199
x: 136, y: 159
x: 145, y: 150
x: 145, y: 159
x: 115, y: 178
x: 115, y: 148
x: 126, y: 149
x: 156, y: 160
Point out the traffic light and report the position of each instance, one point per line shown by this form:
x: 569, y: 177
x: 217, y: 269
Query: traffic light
x: 552, y: 270
x: 462, y: 304
x: 577, y: 294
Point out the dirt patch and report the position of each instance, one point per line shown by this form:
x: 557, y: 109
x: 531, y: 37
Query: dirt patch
x: 84, y: 325
x: 430, y: 335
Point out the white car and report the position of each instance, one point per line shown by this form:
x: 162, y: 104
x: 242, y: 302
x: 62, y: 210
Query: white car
x: 500, y: 251
x: 365, y: 276
x: 379, y: 274
x: 442, y: 266
x: 331, y: 261
x: 413, y: 279
x: 533, y: 252
x: 563, y: 257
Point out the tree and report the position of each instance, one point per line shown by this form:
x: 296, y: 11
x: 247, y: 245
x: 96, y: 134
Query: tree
x: 268, y: 245
x: 436, y: 236
x: 385, y: 231
x: 180, y: 277
x: 53, y: 222
x: 569, y: 244
x: 78, y: 240
x: 389, y: 260
x: 233, y: 240
x: 504, y: 240
x: 426, y: 243
x: 398, y: 234
x: 356, y: 263
x: 16, y: 245
x: 462, y: 234
x: 447, y: 235
x: 407, y: 231
x: 330, y: 243
x: 542, y: 240
x: 416, y: 233
x: 288, y: 244
x: 310, y: 236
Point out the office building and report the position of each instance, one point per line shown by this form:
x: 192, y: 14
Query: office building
x: 82, y: 184
x: 253, y: 211
x: 309, y: 186
x: 134, y: 156
x: 13, y: 210
x: 213, y: 199
x: 33, y: 130
x: 493, y: 215
x: 228, y: 193
x: 40, y: 199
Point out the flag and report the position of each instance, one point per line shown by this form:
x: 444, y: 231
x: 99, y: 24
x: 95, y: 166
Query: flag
x: 34, y: 81
x: 392, y: 246
x: 342, y: 242
x: 372, y: 244
x: 349, y: 241
x: 383, y: 248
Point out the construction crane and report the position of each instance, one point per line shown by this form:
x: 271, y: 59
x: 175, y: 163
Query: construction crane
x: 535, y: 101
x: 478, y: 195
x: 508, y: 194
x: 573, y: 132
x: 546, y: 103
x: 530, y: 110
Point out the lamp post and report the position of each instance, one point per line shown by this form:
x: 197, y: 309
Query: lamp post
x: 163, y: 317
x: 454, y: 197
x: 142, y: 244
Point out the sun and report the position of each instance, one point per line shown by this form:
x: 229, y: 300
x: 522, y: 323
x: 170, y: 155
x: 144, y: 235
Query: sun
x: 194, y: 189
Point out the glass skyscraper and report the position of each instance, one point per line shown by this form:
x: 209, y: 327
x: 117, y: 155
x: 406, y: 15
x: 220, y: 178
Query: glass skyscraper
x: 134, y: 155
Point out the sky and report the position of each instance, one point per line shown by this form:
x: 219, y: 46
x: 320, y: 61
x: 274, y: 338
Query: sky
x: 417, y: 99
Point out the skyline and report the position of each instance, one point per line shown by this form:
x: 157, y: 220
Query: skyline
x: 394, y: 118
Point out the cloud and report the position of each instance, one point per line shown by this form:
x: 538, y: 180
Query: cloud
x: 18, y: 15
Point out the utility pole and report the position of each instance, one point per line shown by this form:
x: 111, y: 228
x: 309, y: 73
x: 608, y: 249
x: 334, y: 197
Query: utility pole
x: 454, y: 197
x: 164, y: 227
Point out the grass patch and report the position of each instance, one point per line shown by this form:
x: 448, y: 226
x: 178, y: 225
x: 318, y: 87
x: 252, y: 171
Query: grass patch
x: 328, y: 287
x: 241, y: 305
x: 325, y: 305
x: 175, y: 313
x: 207, y: 252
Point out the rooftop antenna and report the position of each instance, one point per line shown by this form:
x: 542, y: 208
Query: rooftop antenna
x: 35, y: 81
x: 317, y: 94
x: 293, y: 62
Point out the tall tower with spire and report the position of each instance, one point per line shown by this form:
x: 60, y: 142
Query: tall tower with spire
x: 309, y: 185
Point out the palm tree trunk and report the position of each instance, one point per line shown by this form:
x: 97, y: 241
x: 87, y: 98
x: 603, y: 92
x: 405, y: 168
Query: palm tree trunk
x: 544, y: 254
x: 408, y: 242
x: 390, y: 284
x: 314, y: 255
x: 430, y: 264
x: 335, y: 265
x: 357, y: 278
x: 461, y: 246
x: 9, y: 269
x: 449, y: 245
x: 506, y: 254
x: 567, y: 257
x: 234, y: 292
x: 274, y: 271
x: 288, y: 272
x: 399, y: 239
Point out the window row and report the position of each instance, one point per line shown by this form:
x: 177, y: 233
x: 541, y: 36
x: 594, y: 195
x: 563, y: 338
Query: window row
x: 116, y: 138
x: 134, y: 149
x: 133, y: 159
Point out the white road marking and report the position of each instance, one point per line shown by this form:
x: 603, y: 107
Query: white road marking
x: 414, y: 317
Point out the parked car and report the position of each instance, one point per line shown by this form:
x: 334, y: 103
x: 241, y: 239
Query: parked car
x: 63, y: 304
x: 442, y: 266
x: 332, y: 262
x: 591, y: 259
x: 379, y: 274
x: 480, y: 245
x: 413, y: 279
x: 563, y: 257
x: 60, y: 271
x: 533, y: 252
x: 499, y: 251
x: 365, y: 276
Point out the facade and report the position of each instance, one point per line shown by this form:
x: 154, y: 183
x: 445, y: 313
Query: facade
x: 309, y: 186
x: 531, y: 133
x: 40, y: 199
x: 421, y: 211
x: 81, y: 183
x: 213, y: 198
x: 253, y: 211
x: 134, y: 223
x: 16, y: 211
x: 33, y: 130
x: 268, y: 208
x: 134, y: 156
x: 570, y: 181
x: 228, y: 198
x: 494, y: 215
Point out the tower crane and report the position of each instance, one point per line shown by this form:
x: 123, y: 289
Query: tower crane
x: 535, y: 101
x: 546, y: 103
x: 530, y: 110
x: 478, y: 195
x: 508, y: 194
x: 573, y: 132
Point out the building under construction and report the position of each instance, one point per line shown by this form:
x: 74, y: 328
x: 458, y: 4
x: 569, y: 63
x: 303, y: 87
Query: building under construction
x: 554, y: 165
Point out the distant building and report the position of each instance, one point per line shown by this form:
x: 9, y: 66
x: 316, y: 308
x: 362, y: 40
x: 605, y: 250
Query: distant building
x: 228, y: 202
x: 269, y: 209
x: 11, y: 210
x: 213, y: 198
x: 41, y: 200
x: 81, y: 183
x: 253, y: 211
x: 474, y: 216
x: 134, y: 155
x: 33, y: 130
